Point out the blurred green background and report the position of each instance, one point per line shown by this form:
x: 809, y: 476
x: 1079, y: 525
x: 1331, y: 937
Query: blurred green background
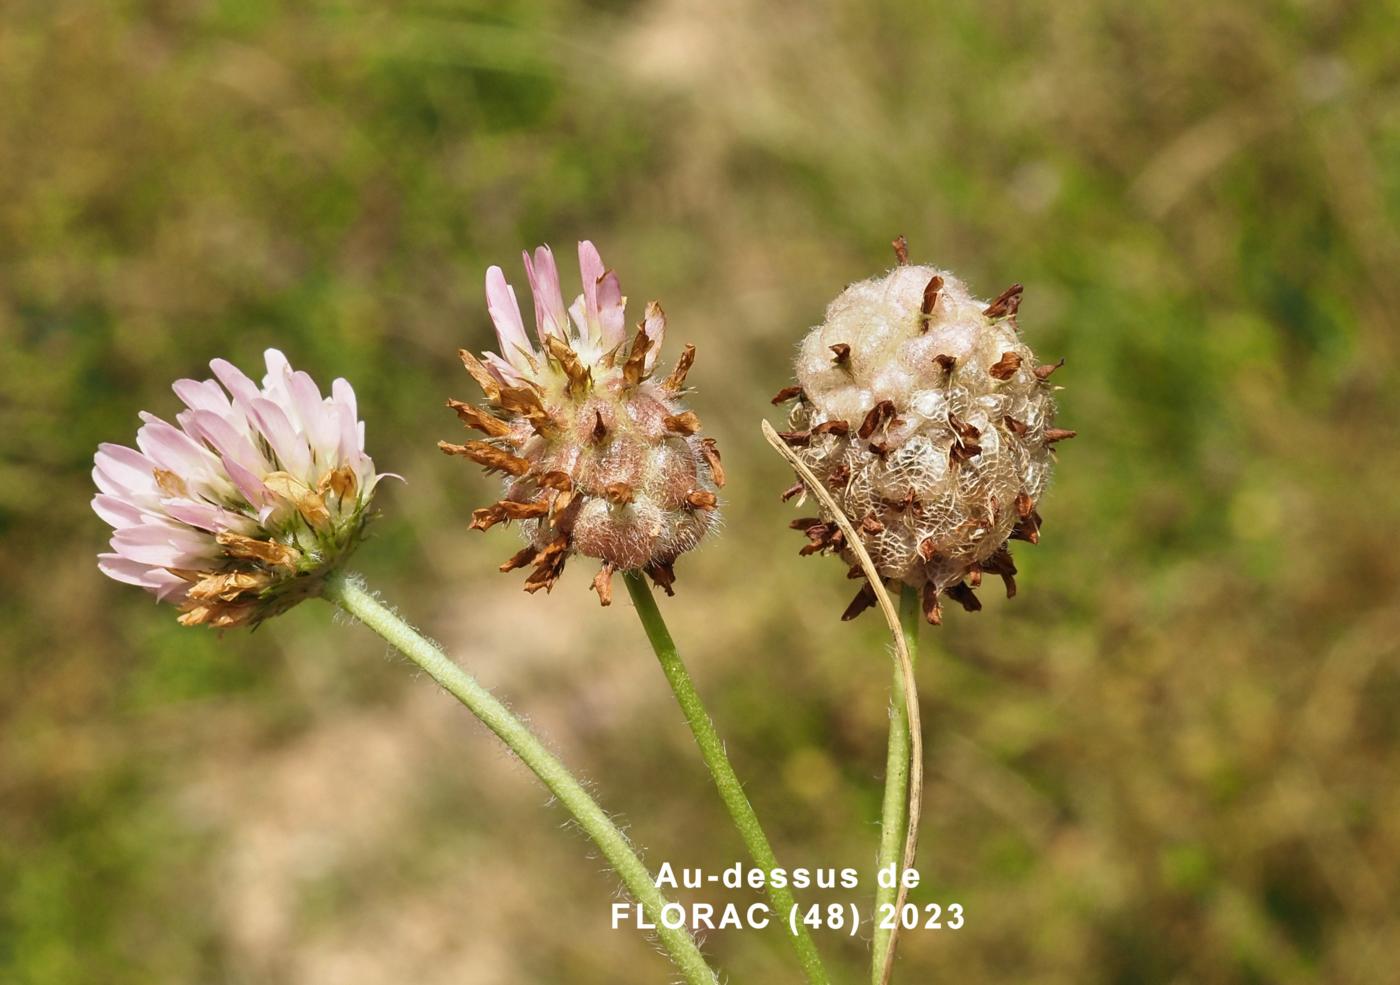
x: 1172, y: 758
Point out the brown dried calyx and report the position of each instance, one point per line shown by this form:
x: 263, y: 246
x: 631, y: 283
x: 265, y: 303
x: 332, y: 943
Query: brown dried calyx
x: 933, y: 429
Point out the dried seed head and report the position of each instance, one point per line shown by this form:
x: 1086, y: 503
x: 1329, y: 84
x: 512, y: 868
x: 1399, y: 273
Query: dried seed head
x: 241, y: 508
x: 932, y: 427
x: 601, y: 458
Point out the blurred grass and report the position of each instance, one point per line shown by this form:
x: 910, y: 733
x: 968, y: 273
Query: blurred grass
x: 1171, y: 759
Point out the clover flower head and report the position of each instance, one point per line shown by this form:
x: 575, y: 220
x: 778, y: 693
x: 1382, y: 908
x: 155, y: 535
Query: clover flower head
x: 930, y: 421
x: 600, y: 458
x: 241, y: 508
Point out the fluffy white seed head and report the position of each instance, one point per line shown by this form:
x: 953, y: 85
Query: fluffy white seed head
x: 930, y: 421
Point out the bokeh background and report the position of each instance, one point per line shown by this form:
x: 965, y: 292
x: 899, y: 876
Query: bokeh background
x: 1173, y: 758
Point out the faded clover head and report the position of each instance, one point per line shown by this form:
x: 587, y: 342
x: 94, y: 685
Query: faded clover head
x: 599, y: 456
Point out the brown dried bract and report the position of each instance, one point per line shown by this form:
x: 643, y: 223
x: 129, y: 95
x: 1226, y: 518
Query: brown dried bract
x: 1028, y: 529
x: 635, y: 367
x: 219, y: 615
x: 474, y: 417
x: 931, y: 292
x: 226, y: 586
x: 838, y: 428
x: 701, y: 499
x: 269, y: 552
x: 521, y: 558
x: 618, y: 493
x: 340, y: 481
x: 796, y: 489
x: 964, y: 596
x: 549, y: 565
x: 1006, y: 303
x: 787, y: 393
x: 505, y: 511
x: 842, y: 353
x: 676, y: 381
x: 1006, y: 367
x: 962, y: 429
x: 580, y: 379
x: 870, y: 524
x: 864, y: 599
x: 170, y: 483
x: 478, y: 372
x: 602, y: 584
x: 1000, y: 563
x: 1053, y: 435
x: 488, y: 456
x: 556, y: 479
x: 946, y: 363
x: 1043, y: 372
x: 685, y: 423
x: 663, y: 575
x: 710, y: 450
x: 798, y: 439
x: 1018, y: 428
x: 901, y: 250
x: 933, y: 612
x: 880, y: 415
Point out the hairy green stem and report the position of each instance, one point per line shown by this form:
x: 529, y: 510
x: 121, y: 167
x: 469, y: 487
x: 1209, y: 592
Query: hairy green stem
x: 731, y: 791
x: 894, y: 813
x: 350, y: 594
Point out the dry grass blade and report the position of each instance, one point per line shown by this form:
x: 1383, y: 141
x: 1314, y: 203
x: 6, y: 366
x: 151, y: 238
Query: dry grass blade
x: 906, y: 667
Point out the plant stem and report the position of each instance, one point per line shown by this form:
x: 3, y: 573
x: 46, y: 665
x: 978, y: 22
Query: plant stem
x: 894, y: 812
x: 349, y: 593
x: 730, y: 789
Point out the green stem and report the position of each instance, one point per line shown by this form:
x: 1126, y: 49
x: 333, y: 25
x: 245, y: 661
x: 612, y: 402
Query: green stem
x: 350, y: 594
x: 730, y: 789
x: 896, y: 805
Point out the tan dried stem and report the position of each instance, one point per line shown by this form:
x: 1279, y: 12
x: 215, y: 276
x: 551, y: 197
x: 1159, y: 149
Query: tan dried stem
x: 906, y: 668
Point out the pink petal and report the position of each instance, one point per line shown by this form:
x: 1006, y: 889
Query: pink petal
x: 289, y: 447
x: 211, y: 518
x: 590, y: 266
x: 611, y: 314
x: 123, y: 469
x: 124, y: 569
x: 352, y: 436
x: 505, y: 313
x: 543, y: 273
x: 246, y: 482
x: 202, y: 395
x: 277, y: 366
x: 170, y: 448
x: 344, y: 394
x: 502, y: 370
x: 233, y: 379
x: 165, y: 545
x: 118, y: 512
x: 227, y: 440
x: 317, y: 417
x: 167, y: 587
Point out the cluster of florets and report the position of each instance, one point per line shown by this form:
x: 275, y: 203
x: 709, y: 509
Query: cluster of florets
x: 931, y: 422
x: 599, y: 457
x: 241, y: 510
